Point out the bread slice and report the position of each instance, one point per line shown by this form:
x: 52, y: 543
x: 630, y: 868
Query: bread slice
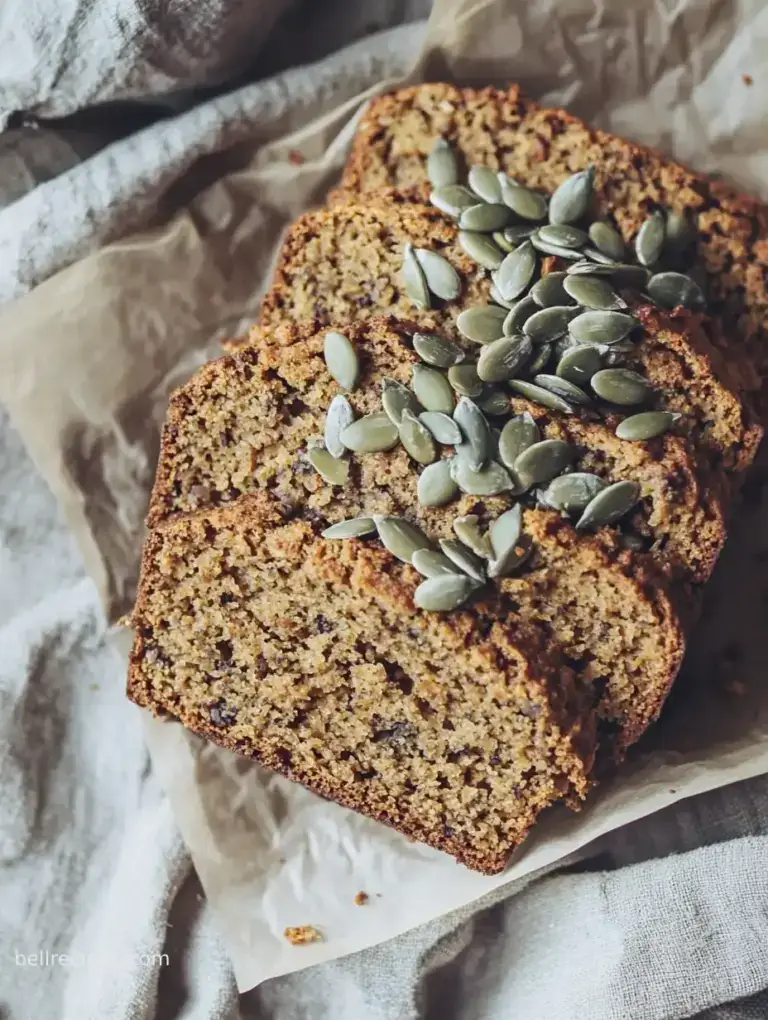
x: 242, y: 424
x: 539, y: 147
x: 310, y: 656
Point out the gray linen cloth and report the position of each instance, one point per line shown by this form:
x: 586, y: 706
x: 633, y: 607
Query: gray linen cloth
x: 663, y: 919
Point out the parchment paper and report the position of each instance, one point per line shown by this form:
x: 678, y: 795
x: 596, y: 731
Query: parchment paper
x: 88, y: 359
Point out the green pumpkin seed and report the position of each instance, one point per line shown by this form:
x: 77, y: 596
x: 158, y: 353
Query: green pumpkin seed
x: 371, y: 434
x: 435, y: 486
x: 452, y: 199
x: 681, y: 235
x: 563, y: 235
x: 518, y: 315
x: 518, y: 233
x: 549, y: 291
x: 516, y: 271
x: 341, y: 360
x: 330, y: 468
x: 414, y: 281
x: 443, y: 428
x: 668, y: 290
x: 437, y: 350
x: 563, y: 388
x: 355, y: 527
x: 649, y: 242
x: 432, y: 389
x: 482, y: 324
x: 444, y: 593
x: 340, y: 414
x: 416, y: 439
x: 505, y: 531
x: 579, y: 364
x: 540, y: 360
x: 523, y: 202
x: 397, y: 398
x: 601, y: 327
x: 491, y: 481
x: 549, y: 323
x: 481, y: 248
x: 501, y: 240
x: 607, y: 240
x: 572, y: 493
x: 543, y: 461
x: 630, y: 276
x: 463, y: 558
x: 493, y: 401
x: 467, y: 530
x: 596, y: 256
x: 547, y: 248
x: 442, y: 279
x: 513, y: 560
x: 540, y: 396
x: 484, y: 182
x: 646, y: 425
x: 465, y: 380
x: 400, y: 537
x: 631, y: 541
x: 572, y: 199
x: 442, y: 164
x: 432, y: 563
x: 477, y: 431
x: 610, y: 505
x: 484, y: 218
x: 504, y: 358
x: 621, y: 386
x: 497, y: 298
x: 593, y: 292
x: 518, y: 435
x: 586, y: 268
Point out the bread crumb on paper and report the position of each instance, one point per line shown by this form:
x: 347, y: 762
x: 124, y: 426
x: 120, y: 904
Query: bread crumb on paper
x: 303, y: 935
x: 362, y: 898
x: 747, y: 79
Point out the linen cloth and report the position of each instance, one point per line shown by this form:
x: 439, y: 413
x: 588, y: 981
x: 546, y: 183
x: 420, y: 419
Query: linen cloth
x: 663, y: 919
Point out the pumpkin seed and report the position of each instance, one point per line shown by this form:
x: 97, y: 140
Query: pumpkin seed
x: 518, y: 232
x: 416, y: 439
x: 633, y: 542
x: 541, y: 356
x: 593, y: 292
x: 442, y: 279
x: 573, y: 492
x: 492, y: 480
x: 467, y: 530
x: 432, y: 389
x: 513, y: 560
x: 481, y: 248
x: 563, y: 235
x: 482, y: 324
x: 519, y: 313
x: 465, y: 380
x: 442, y: 164
x: 497, y: 298
x: 523, y: 202
x: 649, y: 242
x: 610, y: 505
x: 541, y: 396
x: 463, y: 558
x: 484, y: 182
x: 503, y: 243
x: 452, y: 199
x: 505, y: 531
x: 397, y: 398
x: 504, y: 358
x: 340, y: 414
x: 341, y: 360
x: 484, y: 218
x: 579, y: 364
x: 571, y: 200
x: 607, y: 239
x: 516, y: 271
x: 543, y: 461
x: 681, y: 235
x: 595, y: 255
x: 601, y: 327
x: 432, y: 563
x: 549, y: 323
x: 493, y: 401
x: 400, y: 537
x: 475, y: 427
x: 414, y: 281
x: 352, y: 528
x: 437, y: 350
x: 630, y: 276
x: 668, y: 290
x: 370, y: 434
x: 621, y: 386
x: 518, y: 435
x: 563, y: 388
x: 584, y: 267
x: 547, y: 248
x: 549, y: 291
x: 435, y: 486
x: 330, y: 468
x: 443, y: 428
x: 646, y: 425
x: 444, y: 593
